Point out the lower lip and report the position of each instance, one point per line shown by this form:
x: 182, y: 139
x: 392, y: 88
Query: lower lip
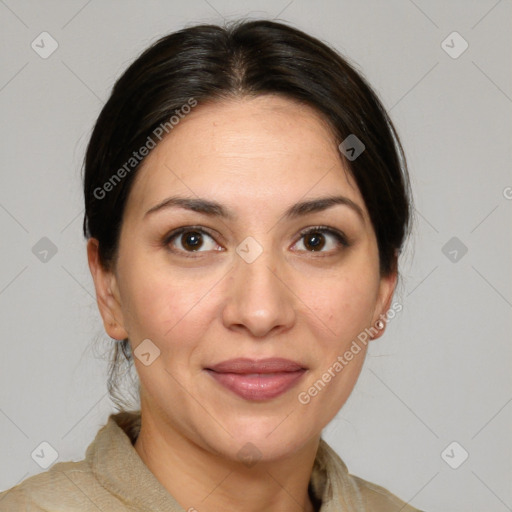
x: 261, y: 386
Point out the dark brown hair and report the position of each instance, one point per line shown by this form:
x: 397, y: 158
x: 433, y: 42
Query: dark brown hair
x: 246, y: 58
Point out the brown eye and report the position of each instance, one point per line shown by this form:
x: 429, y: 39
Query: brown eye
x: 322, y: 239
x: 314, y: 241
x: 192, y: 240
x: 187, y: 240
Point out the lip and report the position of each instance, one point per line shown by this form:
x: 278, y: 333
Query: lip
x: 257, y: 380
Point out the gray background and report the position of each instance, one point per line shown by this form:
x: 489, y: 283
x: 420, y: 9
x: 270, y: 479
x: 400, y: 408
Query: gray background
x: 441, y: 373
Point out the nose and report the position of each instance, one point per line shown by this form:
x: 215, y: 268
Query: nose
x: 260, y: 301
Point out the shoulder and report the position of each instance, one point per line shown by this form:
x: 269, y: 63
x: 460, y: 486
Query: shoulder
x: 376, y: 497
x: 87, y: 485
x: 71, y: 485
x: 335, y: 484
x: 37, y: 492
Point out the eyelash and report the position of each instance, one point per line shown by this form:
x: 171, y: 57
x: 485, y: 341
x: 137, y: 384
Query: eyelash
x: 338, y: 235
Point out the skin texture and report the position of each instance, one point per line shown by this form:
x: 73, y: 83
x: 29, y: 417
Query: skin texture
x: 256, y: 157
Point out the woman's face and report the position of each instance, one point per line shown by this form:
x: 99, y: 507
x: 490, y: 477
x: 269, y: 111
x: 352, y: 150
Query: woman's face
x: 231, y: 278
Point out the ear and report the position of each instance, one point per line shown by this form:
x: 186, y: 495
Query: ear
x: 386, y: 291
x: 107, y: 293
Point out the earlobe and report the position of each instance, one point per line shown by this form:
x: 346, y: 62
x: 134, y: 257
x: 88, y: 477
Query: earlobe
x: 386, y: 291
x: 106, y: 293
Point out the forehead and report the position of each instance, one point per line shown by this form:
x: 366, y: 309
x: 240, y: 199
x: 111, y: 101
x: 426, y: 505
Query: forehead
x: 256, y: 151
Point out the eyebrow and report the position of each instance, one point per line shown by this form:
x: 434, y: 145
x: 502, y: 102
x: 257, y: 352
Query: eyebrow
x: 215, y: 209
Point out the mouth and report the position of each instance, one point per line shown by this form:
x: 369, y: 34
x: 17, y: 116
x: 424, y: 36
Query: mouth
x: 257, y: 380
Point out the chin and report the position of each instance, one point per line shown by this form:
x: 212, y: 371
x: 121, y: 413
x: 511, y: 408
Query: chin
x: 260, y: 439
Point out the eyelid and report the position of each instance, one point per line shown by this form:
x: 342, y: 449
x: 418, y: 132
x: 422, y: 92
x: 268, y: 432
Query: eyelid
x: 182, y: 229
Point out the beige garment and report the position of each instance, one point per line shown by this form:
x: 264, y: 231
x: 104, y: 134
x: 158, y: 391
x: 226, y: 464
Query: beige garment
x: 113, y: 478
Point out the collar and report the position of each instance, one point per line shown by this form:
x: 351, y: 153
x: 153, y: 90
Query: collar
x: 118, y: 467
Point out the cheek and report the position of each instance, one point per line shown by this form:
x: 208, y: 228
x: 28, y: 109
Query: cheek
x: 162, y: 305
x: 342, y: 305
x: 342, y: 310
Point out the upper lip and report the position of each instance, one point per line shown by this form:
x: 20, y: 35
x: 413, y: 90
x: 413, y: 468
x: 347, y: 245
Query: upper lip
x: 244, y: 365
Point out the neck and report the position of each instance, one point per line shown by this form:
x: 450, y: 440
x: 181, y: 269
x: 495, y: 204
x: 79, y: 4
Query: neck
x: 201, y: 480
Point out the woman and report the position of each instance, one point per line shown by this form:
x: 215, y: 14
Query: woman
x: 246, y: 201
